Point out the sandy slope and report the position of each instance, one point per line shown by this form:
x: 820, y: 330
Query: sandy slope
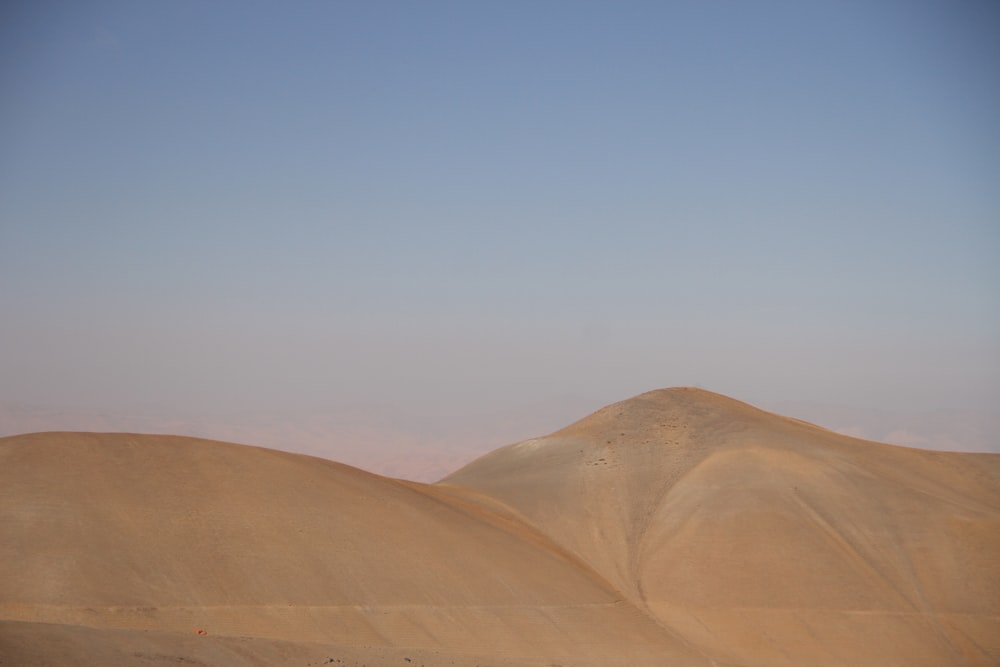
x: 766, y: 540
x: 176, y: 534
x: 679, y: 527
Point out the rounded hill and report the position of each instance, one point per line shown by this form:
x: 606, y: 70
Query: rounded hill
x: 169, y: 533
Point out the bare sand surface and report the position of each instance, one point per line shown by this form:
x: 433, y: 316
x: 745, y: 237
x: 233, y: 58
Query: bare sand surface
x: 679, y: 527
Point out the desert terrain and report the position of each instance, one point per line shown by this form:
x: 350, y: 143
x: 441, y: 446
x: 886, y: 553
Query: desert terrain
x: 678, y: 527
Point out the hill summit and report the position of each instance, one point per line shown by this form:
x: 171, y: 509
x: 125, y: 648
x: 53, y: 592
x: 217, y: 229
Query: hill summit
x: 677, y: 527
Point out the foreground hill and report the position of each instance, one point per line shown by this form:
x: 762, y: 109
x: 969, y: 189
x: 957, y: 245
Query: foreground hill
x: 679, y: 527
x: 176, y: 534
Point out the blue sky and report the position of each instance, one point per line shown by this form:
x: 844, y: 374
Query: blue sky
x: 444, y: 206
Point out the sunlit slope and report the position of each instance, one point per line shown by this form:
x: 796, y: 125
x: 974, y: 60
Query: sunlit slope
x: 765, y: 540
x: 174, y: 534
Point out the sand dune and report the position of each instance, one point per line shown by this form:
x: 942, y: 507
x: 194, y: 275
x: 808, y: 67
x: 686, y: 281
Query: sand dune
x: 679, y: 527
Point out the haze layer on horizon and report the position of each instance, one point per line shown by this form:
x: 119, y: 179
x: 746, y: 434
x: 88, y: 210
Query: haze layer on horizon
x: 451, y: 207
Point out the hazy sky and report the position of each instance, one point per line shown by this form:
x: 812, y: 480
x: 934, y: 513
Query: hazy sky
x: 449, y: 205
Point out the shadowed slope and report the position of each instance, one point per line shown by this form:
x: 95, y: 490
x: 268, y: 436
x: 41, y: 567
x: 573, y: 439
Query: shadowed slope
x: 766, y: 540
x: 157, y: 532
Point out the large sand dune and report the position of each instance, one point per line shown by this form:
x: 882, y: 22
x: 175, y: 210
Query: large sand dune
x: 679, y: 527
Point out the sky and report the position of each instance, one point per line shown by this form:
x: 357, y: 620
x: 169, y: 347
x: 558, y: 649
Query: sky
x: 463, y: 207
